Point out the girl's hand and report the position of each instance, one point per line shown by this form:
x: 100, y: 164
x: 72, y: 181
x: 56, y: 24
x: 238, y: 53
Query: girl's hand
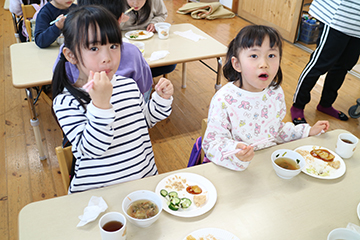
x: 164, y: 88
x: 247, y: 153
x: 318, y: 127
x: 60, y: 23
x: 150, y: 28
x: 101, y: 91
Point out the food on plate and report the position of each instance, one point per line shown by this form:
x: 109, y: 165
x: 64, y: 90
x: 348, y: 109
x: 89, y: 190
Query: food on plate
x: 194, y: 189
x: 322, y: 154
x: 174, y: 201
x: 142, y: 209
x: 176, y: 183
x: 142, y: 33
x: 287, y: 163
x: 334, y: 164
x: 199, y: 200
x: 134, y: 35
x: 208, y: 237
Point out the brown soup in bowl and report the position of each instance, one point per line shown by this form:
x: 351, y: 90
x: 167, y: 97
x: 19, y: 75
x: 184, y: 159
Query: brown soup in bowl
x: 142, y: 209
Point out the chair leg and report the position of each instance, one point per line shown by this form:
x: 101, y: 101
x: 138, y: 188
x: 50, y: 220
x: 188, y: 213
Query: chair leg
x: 166, y: 75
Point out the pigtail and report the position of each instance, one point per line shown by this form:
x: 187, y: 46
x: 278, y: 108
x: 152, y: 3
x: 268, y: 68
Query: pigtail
x: 60, y: 81
x: 229, y: 72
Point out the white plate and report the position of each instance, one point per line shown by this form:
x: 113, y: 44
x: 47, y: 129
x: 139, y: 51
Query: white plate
x: 191, y: 179
x: 219, y: 234
x: 140, y: 37
x: 312, y: 169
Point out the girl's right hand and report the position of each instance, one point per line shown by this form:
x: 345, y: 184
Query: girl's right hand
x: 60, y: 23
x: 247, y: 153
x: 101, y: 91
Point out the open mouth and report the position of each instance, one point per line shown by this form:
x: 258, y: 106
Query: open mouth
x: 264, y: 75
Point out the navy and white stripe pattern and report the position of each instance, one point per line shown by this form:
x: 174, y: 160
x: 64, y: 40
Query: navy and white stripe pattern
x: 111, y: 145
x: 342, y: 15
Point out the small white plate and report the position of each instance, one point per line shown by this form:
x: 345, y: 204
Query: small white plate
x: 191, y: 179
x: 311, y: 169
x: 217, y: 233
x: 142, y: 35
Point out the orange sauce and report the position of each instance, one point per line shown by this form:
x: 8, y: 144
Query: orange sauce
x: 322, y: 154
x: 194, y: 189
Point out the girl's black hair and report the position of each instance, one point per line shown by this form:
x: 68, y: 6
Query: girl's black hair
x: 143, y: 14
x: 79, y: 23
x: 117, y: 7
x: 250, y: 36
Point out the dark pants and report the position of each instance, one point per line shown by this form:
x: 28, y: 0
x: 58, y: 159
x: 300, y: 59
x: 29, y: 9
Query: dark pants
x: 157, y: 71
x: 336, y: 54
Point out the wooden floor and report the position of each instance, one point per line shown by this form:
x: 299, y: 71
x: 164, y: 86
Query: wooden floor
x: 25, y: 179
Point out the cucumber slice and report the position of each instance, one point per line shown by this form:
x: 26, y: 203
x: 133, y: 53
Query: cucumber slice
x: 173, y: 194
x: 173, y: 207
x: 163, y: 192
x: 185, y: 203
x: 175, y: 201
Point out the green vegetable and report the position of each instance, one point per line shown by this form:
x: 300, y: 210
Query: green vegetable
x: 163, y: 192
x: 173, y: 207
x: 185, y: 203
x: 297, y: 161
x: 175, y: 200
x: 277, y: 155
x: 173, y: 194
x: 284, y: 153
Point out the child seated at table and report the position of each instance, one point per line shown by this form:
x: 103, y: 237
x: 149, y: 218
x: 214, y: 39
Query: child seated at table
x: 108, y: 125
x: 46, y: 34
x: 144, y: 15
x: 132, y: 63
x: 251, y: 107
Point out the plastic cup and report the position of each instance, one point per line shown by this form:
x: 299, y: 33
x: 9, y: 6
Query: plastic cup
x: 346, y: 145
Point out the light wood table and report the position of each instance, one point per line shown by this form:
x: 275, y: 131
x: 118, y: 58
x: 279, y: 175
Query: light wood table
x: 183, y: 50
x: 253, y: 204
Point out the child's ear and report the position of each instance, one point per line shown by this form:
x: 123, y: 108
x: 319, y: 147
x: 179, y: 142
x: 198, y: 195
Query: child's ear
x: 69, y: 55
x: 236, y: 64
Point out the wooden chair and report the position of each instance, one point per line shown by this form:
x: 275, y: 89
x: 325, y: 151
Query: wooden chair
x: 28, y: 13
x: 203, y: 130
x: 65, y: 158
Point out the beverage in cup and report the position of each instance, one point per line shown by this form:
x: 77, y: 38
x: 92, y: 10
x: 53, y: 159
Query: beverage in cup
x: 113, y: 226
x: 346, y: 145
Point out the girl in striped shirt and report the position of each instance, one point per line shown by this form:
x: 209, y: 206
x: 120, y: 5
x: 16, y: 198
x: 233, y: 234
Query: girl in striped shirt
x: 108, y: 125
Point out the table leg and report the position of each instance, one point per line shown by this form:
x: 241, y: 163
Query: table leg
x: 183, y: 75
x: 34, y: 121
x: 218, y: 75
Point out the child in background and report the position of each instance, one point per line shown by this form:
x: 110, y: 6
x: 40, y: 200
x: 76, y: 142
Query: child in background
x: 132, y: 63
x: 251, y: 107
x: 145, y: 14
x: 108, y: 126
x: 46, y: 34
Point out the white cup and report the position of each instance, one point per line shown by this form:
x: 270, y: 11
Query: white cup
x: 346, y: 145
x: 164, y: 32
x: 119, y: 234
x: 344, y: 234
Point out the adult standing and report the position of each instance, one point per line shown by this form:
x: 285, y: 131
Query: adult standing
x: 337, y: 52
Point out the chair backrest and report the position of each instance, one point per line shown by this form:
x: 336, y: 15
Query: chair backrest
x: 203, y: 130
x: 28, y: 13
x: 65, y: 158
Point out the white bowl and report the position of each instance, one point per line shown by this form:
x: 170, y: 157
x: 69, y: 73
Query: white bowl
x: 286, y: 173
x: 344, y: 234
x: 140, y: 46
x: 161, y: 24
x: 140, y: 195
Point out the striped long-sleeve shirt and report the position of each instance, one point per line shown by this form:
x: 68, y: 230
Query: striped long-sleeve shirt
x: 342, y: 15
x: 111, y: 145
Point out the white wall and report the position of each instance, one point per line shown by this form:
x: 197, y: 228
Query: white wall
x: 226, y: 3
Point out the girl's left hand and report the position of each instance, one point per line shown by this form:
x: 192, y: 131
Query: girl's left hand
x: 150, y: 28
x: 318, y: 127
x: 164, y: 88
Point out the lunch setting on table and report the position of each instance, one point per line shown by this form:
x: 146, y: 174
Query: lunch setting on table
x: 304, y: 184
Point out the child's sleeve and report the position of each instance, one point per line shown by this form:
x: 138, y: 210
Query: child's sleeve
x: 45, y: 34
x: 160, y: 12
x: 90, y: 133
x: 156, y: 109
x: 218, y: 138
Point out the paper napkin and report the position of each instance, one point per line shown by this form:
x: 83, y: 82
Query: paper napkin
x: 190, y: 35
x: 96, y: 206
x: 158, y: 55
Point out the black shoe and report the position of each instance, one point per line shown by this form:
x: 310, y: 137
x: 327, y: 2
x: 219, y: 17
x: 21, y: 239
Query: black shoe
x: 297, y: 121
x: 342, y: 116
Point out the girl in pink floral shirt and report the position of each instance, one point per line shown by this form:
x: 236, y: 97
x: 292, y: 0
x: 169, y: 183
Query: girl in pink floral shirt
x: 251, y: 107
